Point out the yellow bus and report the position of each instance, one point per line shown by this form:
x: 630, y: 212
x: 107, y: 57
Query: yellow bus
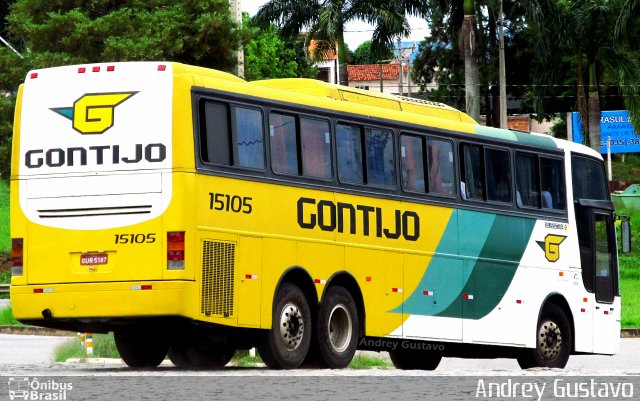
x: 194, y: 214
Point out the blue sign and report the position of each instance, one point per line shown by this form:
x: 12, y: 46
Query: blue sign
x: 614, y: 125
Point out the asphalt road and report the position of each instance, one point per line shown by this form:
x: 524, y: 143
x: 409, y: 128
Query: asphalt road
x: 29, y: 359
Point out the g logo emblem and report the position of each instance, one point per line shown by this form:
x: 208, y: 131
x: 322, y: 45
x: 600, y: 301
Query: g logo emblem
x: 551, y: 246
x: 93, y: 113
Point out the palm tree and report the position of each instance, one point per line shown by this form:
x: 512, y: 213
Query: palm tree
x: 583, y: 32
x: 325, y: 20
x: 469, y: 44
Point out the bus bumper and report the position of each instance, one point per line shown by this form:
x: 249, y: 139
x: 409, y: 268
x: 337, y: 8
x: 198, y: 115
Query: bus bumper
x: 102, y: 300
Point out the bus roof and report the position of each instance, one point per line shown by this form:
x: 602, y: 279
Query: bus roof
x: 366, y: 97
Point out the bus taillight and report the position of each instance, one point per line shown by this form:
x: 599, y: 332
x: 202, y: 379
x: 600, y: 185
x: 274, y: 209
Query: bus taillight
x: 17, y: 246
x: 175, y: 250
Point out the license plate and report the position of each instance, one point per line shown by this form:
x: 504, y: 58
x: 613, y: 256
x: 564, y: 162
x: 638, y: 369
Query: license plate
x: 92, y: 259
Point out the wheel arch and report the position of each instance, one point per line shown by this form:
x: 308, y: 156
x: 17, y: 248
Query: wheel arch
x: 298, y: 276
x: 346, y: 280
x: 560, y: 301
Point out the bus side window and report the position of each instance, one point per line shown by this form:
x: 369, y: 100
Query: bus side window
x: 315, y: 140
x: 284, y: 146
x: 248, y: 144
x: 527, y: 180
x: 349, y: 143
x: 552, y: 183
x: 380, y: 159
x: 441, y: 167
x: 498, y: 175
x: 214, y: 133
x: 472, y: 179
x: 412, y: 163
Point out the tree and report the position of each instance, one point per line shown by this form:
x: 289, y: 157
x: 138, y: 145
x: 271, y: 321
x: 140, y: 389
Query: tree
x: 267, y: 55
x: 470, y: 47
x: 582, y: 35
x: 83, y: 31
x: 51, y: 33
x: 326, y: 19
x: 366, y: 54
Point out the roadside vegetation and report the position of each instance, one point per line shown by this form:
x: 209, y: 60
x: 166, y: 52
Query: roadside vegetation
x: 7, y: 319
x: 5, y: 241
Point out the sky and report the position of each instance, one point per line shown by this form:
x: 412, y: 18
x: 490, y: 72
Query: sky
x: 357, y: 31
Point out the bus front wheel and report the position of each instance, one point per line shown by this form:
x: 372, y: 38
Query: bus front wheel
x: 286, y: 344
x: 141, y: 348
x: 553, y: 341
x: 337, y: 328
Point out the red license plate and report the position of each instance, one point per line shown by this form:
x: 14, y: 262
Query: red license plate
x: 92, y: 259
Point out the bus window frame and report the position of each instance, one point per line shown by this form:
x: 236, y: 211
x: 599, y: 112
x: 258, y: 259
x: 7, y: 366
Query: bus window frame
x: 541, y: 208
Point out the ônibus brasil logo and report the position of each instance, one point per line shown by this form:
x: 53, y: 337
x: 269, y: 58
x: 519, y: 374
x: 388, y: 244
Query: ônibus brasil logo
x: 93, y: 113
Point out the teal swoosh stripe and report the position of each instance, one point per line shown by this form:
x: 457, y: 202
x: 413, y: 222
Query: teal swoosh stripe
x: 445, y: 276
x: 490, y: 248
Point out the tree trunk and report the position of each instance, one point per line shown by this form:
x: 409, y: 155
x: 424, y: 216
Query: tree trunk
x: 594, y: 110
x: 471, y: 75
x: 583, y: 107
x: 342, y: 60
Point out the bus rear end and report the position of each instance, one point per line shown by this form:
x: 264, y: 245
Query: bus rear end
x: 93, y: 235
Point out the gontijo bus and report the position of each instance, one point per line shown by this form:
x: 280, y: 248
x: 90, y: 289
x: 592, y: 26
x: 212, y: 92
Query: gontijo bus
x: 193, y: 214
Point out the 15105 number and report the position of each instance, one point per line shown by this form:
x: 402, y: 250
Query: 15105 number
x: 135, y: 238
x: 230, y: 203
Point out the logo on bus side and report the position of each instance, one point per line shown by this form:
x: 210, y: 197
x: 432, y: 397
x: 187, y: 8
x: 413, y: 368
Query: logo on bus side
x: 551, y: 246
x: 93, y: 113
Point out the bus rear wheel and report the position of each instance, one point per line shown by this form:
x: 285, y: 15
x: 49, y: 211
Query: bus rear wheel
x: 286, y: 344
x: 200, y: 357
x: 141, y: 348
x: 337, y: 328
x: 553, y: 341
x: 415, y: 360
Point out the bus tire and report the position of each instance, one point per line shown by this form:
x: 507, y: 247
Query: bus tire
x: 194, y: 357
x: 554, y: 341
x: 286, y: 344
x: 337, y: 328
x: 415, y: 360
x: 141, y: 349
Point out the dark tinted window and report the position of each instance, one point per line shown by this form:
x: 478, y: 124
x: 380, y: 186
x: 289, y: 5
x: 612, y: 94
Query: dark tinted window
x: 349, y: 141
x: 315, y: 139
x: 412, y: 163
x: 380, y: 161
x: 284, y: 146
x: 441, y: 167
x: 498, y: 175
x: 248, y: 149
x: 589, y: 180
x: 472, y: 180
x: 552, y: 183
x: 240, y: 143
x: 527, y: 180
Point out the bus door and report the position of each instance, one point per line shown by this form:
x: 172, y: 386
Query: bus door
x: 598, y: 258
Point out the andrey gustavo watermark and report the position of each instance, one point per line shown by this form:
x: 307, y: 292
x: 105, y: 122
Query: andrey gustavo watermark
x: 540, y: 389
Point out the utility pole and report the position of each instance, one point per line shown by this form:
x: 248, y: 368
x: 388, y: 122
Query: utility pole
x: 236, y: 12
x: 502, y: 73
x: 400, y: 89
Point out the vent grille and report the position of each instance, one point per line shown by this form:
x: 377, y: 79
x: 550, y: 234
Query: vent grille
x: 218, y: 267
x: 94, y: 211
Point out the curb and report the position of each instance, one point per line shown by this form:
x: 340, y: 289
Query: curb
x: 43, y: 331
x: 36, y: 331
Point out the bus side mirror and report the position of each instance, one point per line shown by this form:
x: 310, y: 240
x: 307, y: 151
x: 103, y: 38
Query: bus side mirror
x: 625, y: 233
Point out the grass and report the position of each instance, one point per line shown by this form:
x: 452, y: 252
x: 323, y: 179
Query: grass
x: 629, y: 170
x: 103, y: 347
x: 5, y: 241
x: 630, y: 275
x: 7, y: 319
x: 369, y: 362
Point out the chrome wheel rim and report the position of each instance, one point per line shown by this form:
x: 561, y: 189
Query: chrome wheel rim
x: 291, y: 326
x: 549, y: 340
x: 340, y: 328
